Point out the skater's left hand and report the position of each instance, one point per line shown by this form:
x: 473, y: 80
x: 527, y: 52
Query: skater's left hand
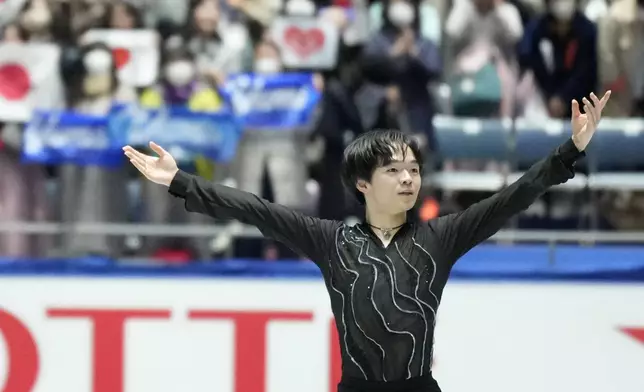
x: 585, y: 125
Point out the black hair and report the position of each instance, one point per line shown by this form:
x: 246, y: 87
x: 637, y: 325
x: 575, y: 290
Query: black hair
x: 74, y: 71
x: 372, y: 150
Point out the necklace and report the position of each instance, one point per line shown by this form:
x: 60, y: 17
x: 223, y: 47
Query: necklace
x: 386, y: 233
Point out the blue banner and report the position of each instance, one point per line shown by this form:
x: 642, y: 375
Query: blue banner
x: 214, y: 135
x: 280, y: 101
x: 67, y: 137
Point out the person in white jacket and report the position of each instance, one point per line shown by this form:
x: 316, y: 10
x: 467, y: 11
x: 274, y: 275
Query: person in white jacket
x: 482, y: 31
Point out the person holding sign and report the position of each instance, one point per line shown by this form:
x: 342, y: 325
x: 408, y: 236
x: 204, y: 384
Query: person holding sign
x: 386, y: 276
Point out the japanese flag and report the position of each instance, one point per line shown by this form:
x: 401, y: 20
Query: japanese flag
x: 135, y: 52
x: 29, y: 79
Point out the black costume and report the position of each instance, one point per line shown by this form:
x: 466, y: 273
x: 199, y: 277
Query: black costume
x: 384, y: 298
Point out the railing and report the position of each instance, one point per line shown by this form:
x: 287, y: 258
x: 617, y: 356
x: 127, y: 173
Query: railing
x: 245, y: 231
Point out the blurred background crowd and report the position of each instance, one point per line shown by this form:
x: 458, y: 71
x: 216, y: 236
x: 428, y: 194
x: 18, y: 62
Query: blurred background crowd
x: 393, y: 64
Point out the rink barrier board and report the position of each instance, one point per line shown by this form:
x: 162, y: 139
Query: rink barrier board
x: 487, y: 262
x: 511, y: 320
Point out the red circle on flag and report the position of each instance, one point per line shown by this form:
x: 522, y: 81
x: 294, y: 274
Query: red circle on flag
x: 121, y: 57
x: 14, y: 81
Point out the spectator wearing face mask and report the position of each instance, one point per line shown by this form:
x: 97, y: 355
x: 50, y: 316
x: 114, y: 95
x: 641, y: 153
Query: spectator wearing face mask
x: 621, y: 55
x: 272, y: 157
x: 430, y: 19
x: 481, y: 38
x: 560, y: 49
x: 216, y: 43
x: 267, y: 58
x: 276, y: 152
x: 180, y: 85
x: 89, y: 193
x: 399, y: 57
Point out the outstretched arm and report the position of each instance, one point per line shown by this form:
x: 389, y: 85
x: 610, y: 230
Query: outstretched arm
x: 308, y: 236
x: 461, y: 231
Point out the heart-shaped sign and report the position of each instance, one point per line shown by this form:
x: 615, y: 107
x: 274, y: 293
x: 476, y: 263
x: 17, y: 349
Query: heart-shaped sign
x: 121, y: 57
x: 304, y: 42
x: 15, y: 82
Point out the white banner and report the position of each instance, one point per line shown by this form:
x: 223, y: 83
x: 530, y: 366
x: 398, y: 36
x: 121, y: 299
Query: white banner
x: 306, y: 43
x: 29, y: 79
x: 135, y: 53
x: 225, y: 335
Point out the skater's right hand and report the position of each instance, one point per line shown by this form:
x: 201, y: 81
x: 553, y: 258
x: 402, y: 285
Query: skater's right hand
x: 159, y: 170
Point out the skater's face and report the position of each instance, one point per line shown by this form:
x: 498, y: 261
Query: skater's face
x: 394, y: 187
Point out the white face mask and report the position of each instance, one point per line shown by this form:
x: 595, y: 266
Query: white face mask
x: 267, y: 65
x: 180, y: 73
x: 98, y: 62
x: 563, y: 9
x: 401, y: 14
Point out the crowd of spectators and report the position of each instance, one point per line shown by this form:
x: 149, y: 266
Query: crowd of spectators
x: 399, y: 63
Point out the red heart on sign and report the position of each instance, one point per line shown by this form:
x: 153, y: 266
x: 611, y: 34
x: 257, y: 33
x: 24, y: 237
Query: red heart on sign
x: 121, y: 57
x: 304, y: 42
x: 15, y: 82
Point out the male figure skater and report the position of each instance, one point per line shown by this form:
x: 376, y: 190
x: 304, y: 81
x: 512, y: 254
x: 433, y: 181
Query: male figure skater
x: 386, y: 276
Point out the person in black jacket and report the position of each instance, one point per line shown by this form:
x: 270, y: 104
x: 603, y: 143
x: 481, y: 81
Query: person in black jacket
x: 560, y: 48
x: 401, y: 59
x: 385, y: 276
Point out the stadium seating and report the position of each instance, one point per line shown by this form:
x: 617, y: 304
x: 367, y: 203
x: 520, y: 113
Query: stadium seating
x: 471, y: 139
x: 616, y: 152
x: 534, y: 140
